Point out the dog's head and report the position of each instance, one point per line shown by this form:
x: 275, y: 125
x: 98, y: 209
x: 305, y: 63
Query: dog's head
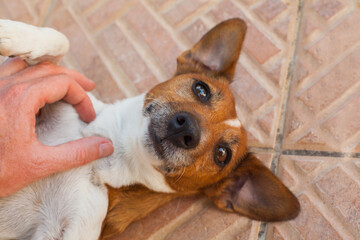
x: 194, y: 129
x: 201, y: 144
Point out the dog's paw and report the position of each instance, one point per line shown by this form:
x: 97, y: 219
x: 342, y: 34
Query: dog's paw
x: 33, y: 44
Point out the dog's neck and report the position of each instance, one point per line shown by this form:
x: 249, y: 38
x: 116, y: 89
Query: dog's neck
x: 124, y: 124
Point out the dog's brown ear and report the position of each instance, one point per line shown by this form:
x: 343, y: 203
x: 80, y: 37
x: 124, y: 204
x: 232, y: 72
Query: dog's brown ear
x: 254, y: 191
x: 217, y: 51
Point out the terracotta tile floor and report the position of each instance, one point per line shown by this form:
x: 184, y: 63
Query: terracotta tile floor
x: 297, y: 88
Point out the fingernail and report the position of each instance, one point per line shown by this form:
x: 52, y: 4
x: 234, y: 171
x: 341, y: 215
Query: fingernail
x: 106, y: 149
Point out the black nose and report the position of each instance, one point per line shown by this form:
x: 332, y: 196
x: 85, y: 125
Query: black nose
x: 183, y: 130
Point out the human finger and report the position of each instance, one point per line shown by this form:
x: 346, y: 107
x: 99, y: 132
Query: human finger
x: 12, y: 66
x: 60, y: 87
x: 45, y: 69
x: 73, y: 154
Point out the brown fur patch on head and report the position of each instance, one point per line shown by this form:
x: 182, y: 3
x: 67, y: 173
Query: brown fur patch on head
x: 205, y: 171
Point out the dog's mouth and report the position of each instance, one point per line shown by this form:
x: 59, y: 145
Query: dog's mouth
x: 172, y: 135
x: 156, y: 142
x: 172, y: 157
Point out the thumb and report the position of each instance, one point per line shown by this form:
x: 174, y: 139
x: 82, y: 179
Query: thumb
x: 76, y: 153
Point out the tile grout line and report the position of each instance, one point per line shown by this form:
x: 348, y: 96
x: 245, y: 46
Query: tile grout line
x: 287, y: 87
x: 298, y: 152
x: 306, y: 153
x: 284, y: 102
x: 261, y: 150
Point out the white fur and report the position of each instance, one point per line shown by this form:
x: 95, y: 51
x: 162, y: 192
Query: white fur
x: 33, y: 44
x: 233, y: 123
x: 73, y: 204
x: 125, y: 125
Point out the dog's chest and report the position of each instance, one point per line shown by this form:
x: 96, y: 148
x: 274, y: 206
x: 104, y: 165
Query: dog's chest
x: 58, y: 123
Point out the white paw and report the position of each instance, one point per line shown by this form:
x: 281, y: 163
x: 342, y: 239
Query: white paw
x: 33, y: 44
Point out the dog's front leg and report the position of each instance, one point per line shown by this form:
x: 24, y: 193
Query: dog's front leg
x: 33, y: 44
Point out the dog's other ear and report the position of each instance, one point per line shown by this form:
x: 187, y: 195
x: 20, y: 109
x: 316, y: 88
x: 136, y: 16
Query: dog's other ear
x: 217, y: 51
x: 254, y: 191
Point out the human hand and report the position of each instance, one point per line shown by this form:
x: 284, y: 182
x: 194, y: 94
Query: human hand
x: 23, y: 91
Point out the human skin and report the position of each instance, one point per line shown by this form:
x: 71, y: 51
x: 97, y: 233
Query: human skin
x: 24, y: 91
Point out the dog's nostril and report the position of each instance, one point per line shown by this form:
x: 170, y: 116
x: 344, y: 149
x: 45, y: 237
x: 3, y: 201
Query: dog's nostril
x: 188, y: 140
x: 180, y: 120
x: 183, y: 131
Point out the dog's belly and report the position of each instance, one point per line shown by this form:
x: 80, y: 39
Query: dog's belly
x: 61, y: 205
x: 54, y: 207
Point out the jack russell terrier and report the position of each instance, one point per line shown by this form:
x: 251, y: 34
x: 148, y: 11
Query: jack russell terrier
x: 182, y: 137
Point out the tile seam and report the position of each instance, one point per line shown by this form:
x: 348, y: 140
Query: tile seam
x: 315, y: 153
x: 287, y: 87
x: 262, y: 234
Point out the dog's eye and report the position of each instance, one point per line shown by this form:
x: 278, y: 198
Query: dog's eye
x: 222, y: 155
x: 201, y: 90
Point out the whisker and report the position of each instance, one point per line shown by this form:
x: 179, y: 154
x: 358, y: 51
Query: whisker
x: 180, y: 175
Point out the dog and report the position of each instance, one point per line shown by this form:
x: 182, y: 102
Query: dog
x: 182, y: 137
